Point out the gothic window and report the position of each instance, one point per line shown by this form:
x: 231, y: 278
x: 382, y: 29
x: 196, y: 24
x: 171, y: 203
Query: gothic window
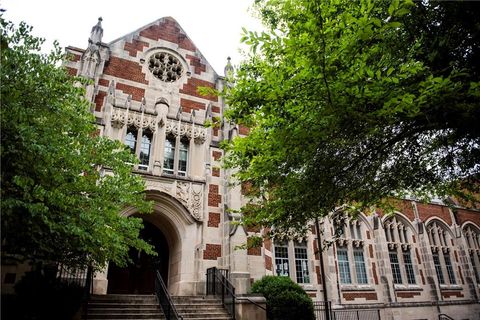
x: 145, y: 150
x: 399, y: 239
x: 441, y: 239
x: 350, y: 254
x: 140, y: 143
x: 472, y: 237
x: 292, y: 256
x: 175, y: 158
x: 165, y: 66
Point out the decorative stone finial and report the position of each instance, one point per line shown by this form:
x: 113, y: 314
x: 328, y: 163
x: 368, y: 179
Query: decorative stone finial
x: 97, y: 33
x: 228, y: 68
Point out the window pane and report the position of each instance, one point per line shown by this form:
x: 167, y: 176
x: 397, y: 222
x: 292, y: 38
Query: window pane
x: 395, y: 265
x: 474, y: 265
x: 438, y: 268
x: 301, y: 265
x: 281, y: 261
x: 344, y: 266
x: 448, y: 264
x: 131, y: 139
x: 183, y: 158
x: 407, y: 260
x: 169, y: 155
x: 145, y: 151
x: 360, y: 269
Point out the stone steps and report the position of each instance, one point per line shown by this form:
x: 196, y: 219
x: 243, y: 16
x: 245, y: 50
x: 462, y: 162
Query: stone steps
x: 145, y: 307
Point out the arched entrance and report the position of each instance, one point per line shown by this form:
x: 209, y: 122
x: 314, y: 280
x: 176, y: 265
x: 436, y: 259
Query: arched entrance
x: 139, y: 276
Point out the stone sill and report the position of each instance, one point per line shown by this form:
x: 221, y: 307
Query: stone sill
x: 356, y: 288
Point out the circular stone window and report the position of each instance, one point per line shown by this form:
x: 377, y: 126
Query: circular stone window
x: 165, y: 67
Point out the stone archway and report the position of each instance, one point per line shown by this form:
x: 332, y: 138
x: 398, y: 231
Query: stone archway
x: 139, y: 276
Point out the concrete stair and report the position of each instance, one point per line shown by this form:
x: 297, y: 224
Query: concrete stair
x: 123, y: 306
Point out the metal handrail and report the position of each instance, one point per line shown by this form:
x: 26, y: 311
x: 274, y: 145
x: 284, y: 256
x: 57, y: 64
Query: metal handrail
x: 443, y: 316
x: 219, y: 285
x: 165, y: 300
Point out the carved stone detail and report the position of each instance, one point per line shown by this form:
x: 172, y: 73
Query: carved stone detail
x: 177, y: 128
x: 191, y: 197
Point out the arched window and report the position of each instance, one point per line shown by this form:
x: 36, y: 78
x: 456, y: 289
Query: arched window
x: 175, y: 158
x: 142, y: 139
x: 399, y: 240
x: 472, y: 237
x: 441, y: 242
x: 350, y: 253
x: 131, y: 138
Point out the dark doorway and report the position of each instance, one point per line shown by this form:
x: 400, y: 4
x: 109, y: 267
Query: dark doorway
x: 139, y: 276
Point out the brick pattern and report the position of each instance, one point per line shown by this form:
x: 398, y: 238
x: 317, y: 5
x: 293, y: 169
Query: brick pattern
x: 216, y: 155
x: 191, y: 88
x: 350, y: 296
x: 419, y: 260
x: 368, y: 234
x: 189, y: 105
x: 215, y: 131
x: 169, y: 30
x: 99, y: 100
x: 125, y: 69
x: 243, y: 130
x: 319, y: 274
x: 315, y: 250
x: 135, y: 46
x: 449, y: 294
x: 215, y: 109
x: 461, y: 274
x: 370, y: 251
x: 74, y: 57
x: 214, y: 199
x: 426, y: 211
x: 407, y: 294
x: 137, y: 93
x: 72, y: 71
x: 213, y: 219
x: 195, y: 62
x: 212, y: 251
x: 267, y: 244
x: 103, y: 82
x: 422, y: 276
x: 256, y: 251
x: 268, y: 263
x: 374, y: 272
x: 216, y: 172
x: 465, y: 215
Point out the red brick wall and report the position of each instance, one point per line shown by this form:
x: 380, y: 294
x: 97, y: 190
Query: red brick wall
x: 216, y: 172
x: 212, y: 251
x: 135, y: 46
x: 192, y: 85
x: 426, y: 211
x: 195, y: 62
x: 449, y: 294
x: 189, y: 105
x: 169, y: 30
x: 216, y: 155
x: 374, y: 271
x: 125, y: 69
x: 99, y: 100
x: 213, y: 219
x: 407, y: 294
x: 103, y: 82
x: 71, y: 71
x: 243, y: 130
x: 214, y: 199
x: 137, y: 93
x: 319, y: 275
x: 268, y: 263
x: 350, y: 296
x: 467, y: 215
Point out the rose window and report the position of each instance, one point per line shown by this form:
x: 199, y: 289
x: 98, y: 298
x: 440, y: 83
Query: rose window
x: 165, y: 67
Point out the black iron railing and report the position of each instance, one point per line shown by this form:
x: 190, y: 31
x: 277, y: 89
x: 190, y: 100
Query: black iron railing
x: 80, y: 277
x: 165, y: 300
x: 218, y: 285
x: 443, y: 316
x: 321, y: 308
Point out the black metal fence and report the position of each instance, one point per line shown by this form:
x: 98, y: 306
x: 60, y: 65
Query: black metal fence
x: 165, y: 300
x: 79, y: 277
x: 344, y: 314
x: 218, y: 285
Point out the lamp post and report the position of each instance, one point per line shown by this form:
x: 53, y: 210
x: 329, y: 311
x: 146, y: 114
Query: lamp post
x: 322, y: 270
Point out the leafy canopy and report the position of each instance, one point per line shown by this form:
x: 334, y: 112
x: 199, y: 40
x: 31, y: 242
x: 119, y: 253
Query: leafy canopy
x: 63, y: 186
x: 355, y: 102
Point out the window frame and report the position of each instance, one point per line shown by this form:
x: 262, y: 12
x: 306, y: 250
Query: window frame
x: 181, y: 145
x: 290, y: 249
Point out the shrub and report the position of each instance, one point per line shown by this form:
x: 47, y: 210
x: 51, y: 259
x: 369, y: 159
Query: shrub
x: 285, y: 299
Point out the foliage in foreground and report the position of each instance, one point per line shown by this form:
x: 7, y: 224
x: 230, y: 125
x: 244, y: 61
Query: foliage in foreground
x: 62, y: 186
x: 285, y: 299
x: 355, y: 102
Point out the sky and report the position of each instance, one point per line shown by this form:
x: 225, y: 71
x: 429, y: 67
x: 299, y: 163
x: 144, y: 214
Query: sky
x: 214, y: 26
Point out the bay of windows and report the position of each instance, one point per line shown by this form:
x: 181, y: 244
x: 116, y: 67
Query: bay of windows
x: 440, y: 239
x: 292, y: 255
x: 175, y: 157
x: 140, y: 143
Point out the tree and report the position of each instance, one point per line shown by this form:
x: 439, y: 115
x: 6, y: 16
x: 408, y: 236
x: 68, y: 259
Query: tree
x: 63, y: 186
x: 355, y: 102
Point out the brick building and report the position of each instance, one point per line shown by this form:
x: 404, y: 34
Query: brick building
x: 422, y: 262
